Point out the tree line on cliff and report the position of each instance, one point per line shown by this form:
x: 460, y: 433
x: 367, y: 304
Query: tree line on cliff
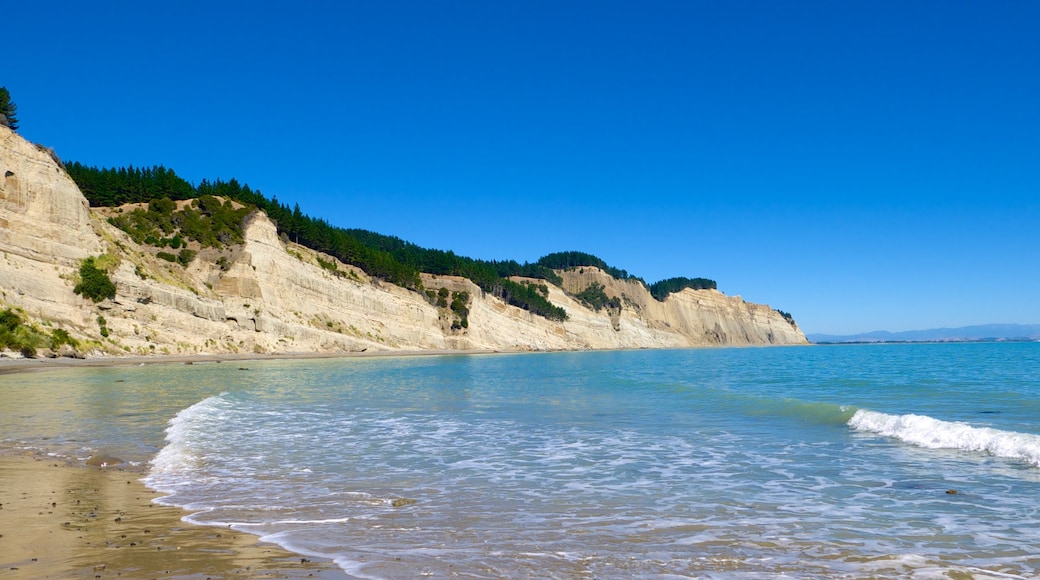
x: 659, y: 290
x: 384, y: 257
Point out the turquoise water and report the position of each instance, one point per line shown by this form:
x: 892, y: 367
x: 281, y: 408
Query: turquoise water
x: 809, y: 462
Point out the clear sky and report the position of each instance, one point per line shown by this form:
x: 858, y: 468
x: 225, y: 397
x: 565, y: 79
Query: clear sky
x: 862, y: 165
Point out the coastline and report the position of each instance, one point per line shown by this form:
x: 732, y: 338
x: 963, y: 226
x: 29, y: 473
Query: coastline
x: 20, y: 365
x: 68, y: 521
x: 12, y: 365
x: 46, y: 532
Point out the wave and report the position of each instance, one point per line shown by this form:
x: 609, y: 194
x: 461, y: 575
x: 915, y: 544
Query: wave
x: 930, y: 433
x: 247, y: 525
x: 812, y: 412
x: 177, y: 460
x: 809, y: 411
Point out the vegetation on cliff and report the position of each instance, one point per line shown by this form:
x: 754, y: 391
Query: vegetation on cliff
x: 208, y: 220
x: 786, y: 316
x: 213, y: 223
x: 16, y: 336
x: 94, y: 282
x: 112, y: 187
x: 385, y: 257
x: 8, y: 110
x: 16, y: 333
x: 459, y: 306
x: 661, y: 290
x: 595, y: 298
x: 568, y: 260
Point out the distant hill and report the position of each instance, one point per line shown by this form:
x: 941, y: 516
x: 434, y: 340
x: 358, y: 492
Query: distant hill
x: 964, y: 333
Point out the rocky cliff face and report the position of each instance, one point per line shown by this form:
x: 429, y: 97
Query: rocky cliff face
x: 45, y: 230
x: 271, y: 296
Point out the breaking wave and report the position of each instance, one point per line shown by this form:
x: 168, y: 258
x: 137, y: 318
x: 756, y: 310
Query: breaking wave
x: 930, y: 433
x: 180, y: 460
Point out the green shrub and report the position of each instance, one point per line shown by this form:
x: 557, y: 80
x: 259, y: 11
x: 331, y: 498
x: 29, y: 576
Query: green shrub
x: 17, y: 334
x: 460, y: 306
x: 9, y: 320
x: 61, y: 337
x: 94, y: 282
x: 595, y: 298
x: 329, y: 265
x: 530, y: 297
x: 166, y: 256
x: 185, y: 257
x: 163, y: 206
x: 787, y: 316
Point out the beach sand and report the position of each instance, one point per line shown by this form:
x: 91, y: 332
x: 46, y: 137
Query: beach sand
x: 9, y: 364
x: 65, y: 521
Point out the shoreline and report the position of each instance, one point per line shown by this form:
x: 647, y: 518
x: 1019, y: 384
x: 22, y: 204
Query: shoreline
x: 61, y: 520
x: 13, y: 365
x: 46, y: 532
x: 20, y: 365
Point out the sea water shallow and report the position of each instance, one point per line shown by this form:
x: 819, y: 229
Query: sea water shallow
x: 806, y: 462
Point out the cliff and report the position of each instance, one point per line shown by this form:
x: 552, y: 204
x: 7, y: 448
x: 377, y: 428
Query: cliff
x: 271, y: 296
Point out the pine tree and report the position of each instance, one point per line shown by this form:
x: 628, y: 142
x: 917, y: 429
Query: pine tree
x: 7, y: 110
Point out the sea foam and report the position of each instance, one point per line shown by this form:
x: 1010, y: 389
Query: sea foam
x: 931, y: 433
x: 175, y: 462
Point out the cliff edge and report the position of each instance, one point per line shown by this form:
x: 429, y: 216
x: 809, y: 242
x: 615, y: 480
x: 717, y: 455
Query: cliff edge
x: 268, y: 295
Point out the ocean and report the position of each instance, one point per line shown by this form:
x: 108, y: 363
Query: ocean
x: 852, y: 461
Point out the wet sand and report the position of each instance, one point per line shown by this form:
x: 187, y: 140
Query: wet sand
x: 65, y: 521
x: 17, y: 365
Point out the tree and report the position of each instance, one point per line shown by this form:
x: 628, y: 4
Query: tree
x: 661, y: 289
x: 7, y: 110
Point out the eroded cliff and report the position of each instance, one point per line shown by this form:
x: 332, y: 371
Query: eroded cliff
x: 271, y: 296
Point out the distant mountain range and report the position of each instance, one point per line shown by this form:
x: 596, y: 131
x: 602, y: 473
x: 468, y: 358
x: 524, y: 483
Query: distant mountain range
x: 964, y: 333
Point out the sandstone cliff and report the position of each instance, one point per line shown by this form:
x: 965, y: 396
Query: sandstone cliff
x: 271, y: 296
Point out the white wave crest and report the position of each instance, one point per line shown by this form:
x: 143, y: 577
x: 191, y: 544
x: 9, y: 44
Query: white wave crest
x: 930, y: 433
x: 177, y: 458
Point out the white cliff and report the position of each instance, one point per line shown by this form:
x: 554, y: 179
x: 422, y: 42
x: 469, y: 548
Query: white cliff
x: 271, y: 296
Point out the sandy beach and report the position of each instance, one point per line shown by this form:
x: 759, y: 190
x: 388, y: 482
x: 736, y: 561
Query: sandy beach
x: 63, y: 521
x: 12, y: 364
x: 59, y: 520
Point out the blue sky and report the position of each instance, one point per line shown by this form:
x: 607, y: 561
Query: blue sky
x: 862, y: 165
